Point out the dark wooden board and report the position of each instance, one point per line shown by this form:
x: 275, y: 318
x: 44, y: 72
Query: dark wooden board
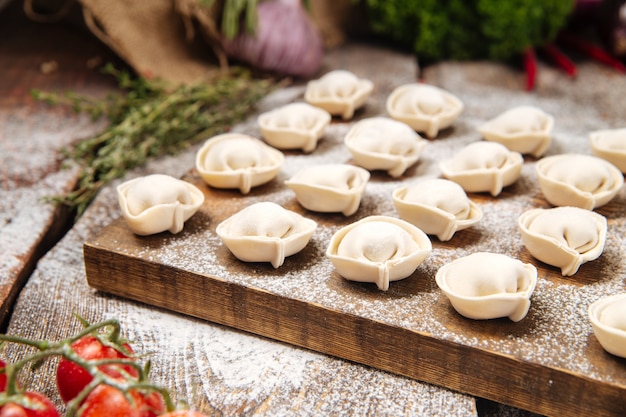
x: 549, y: 363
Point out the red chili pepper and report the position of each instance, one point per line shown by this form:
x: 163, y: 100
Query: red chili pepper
x: 530, y: 65
x: 560, y: 59
x: 593, y: 51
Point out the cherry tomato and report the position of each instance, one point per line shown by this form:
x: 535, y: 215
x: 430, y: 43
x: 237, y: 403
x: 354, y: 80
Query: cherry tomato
x: 107, y: 401
x: 72, y: 378
x: 183, y: 413
x: 3, y: 376
x: 34, y: 405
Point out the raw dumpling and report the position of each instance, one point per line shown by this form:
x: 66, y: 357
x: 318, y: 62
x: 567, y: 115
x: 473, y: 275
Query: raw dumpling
x: 610, y: 145
x: 487, y: 285
x: 608, y: 320
x: 265, y: 232
x: 437, y: 206
x: 385, y: 144
x: 339, y: 92
x: 330, y: 188
x: 483, y: 166
x: 235, y: 160
x: 565, y: 237
x: 424, y: 107
x: 578, y: 180
x: 156, y: 203
x: 294, y: 126
x: 378, y: 249
x: 524, y: 129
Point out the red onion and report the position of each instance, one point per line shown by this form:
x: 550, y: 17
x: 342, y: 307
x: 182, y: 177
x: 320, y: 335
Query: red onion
x: 286, y: 40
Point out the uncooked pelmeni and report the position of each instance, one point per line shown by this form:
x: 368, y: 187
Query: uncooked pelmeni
x: 294, y: 126
x: 380, y: 143
x: 330, y: 188
x: 487, y: 285
x: 610, y: 144
x: 156, y: 203
x: 235, y: 160
x: 339, y: 92
x: 483, y: 166
x: 524, y: 129
x: 424, y: 107
x: 578, y: 180
x: 265, y: 232
x: 565, y: 237
x: 437, y: 206
x: 608, y: 320
x: 378, y: 249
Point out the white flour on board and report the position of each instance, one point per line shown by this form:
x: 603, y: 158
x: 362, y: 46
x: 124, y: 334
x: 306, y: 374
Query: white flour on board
x: 559, y: 333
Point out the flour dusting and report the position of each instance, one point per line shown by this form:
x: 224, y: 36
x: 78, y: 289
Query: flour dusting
x: 556, y: 332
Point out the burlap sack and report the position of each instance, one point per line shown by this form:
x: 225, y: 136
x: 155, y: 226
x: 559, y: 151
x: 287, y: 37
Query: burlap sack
x: 151, y: 37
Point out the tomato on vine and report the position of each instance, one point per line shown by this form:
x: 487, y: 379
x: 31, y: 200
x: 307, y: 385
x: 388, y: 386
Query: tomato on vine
x: 108, y: 401
x: 3, y: 376
x: 28, y: 404
x: 71, y: 378
x: 98, y: 375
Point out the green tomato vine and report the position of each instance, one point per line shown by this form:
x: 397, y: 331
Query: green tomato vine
x: 108, y: 334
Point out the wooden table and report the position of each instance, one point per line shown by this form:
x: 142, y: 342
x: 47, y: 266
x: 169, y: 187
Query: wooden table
x: 220, y: 371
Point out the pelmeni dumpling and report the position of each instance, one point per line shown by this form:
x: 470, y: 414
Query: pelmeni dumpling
x: 565, y: 237
x: 483, y: 166
x: 156, y: 203
x: 294, y: 126
x: 608, y: 320
x: 265, y: 232
x: 578, y: 180
x: 378, y: 249
x: 235, y: 160
x: 330, y: 188
x: 437, y: 206
x: 339, y: 92
x: 524, y: 129
x: 424, y: 107
x: 610, y: 144
x: 384, y: 144
x: 487, y: 285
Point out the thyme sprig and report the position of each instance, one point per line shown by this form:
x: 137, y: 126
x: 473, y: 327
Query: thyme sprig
x: 151, y: 119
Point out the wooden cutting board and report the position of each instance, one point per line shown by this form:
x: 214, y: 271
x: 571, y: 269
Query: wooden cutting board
x: 549, y: 363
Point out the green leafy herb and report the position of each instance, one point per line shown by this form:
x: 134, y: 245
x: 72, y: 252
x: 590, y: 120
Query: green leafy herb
x: 460, y: 29
x: 152, y: 119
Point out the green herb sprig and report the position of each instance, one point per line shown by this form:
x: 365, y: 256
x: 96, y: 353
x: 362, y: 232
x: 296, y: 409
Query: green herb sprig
x: 152, y: 119
x: 235, y: 12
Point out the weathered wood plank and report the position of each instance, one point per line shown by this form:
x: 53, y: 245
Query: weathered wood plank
x: 32, y: 134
